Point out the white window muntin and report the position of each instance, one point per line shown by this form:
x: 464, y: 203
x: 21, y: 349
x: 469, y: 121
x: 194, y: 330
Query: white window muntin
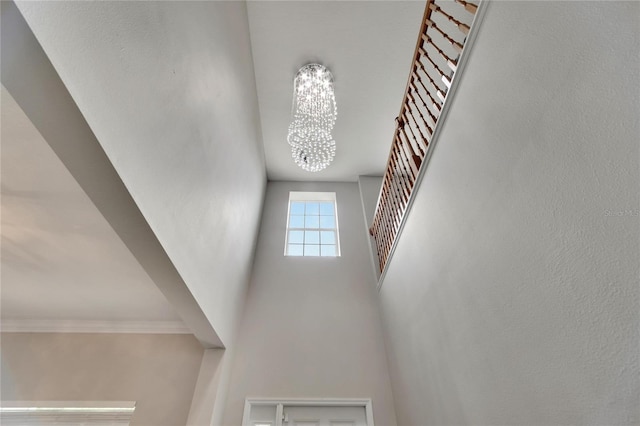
x: 310, y: 233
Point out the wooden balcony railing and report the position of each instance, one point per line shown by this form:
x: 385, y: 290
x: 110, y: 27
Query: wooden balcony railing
x: 445, y: 27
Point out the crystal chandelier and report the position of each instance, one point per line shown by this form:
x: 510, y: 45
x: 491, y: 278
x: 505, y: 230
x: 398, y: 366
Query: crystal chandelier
x: 313, y: 117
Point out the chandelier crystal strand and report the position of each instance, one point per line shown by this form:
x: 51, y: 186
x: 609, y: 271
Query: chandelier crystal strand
x: 314, y: 115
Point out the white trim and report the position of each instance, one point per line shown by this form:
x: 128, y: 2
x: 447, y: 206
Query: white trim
x: 279, y: 414
x: 68, y: 413
x: 246, y: 413
x: 80, y: 326
x: 462, y: 63
x: 312, y: 197
x: 313, y: 402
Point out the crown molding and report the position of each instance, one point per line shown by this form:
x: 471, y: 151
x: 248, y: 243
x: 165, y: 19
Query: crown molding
x: 91, y: 326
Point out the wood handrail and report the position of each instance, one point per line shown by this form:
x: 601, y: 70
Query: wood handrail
x: 437, y: 51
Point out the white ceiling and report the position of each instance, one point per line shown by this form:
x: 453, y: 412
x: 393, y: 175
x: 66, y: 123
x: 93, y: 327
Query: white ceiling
x: 60, y: 258
x: 367, y: 45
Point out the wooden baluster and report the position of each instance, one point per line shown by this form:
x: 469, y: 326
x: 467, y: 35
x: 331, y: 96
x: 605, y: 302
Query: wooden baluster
x: 440, y: 93
x: 374, y: 231
x: 405, y: 175
x: 414, y: 160
x: 394, y: 206
x: 443, y: 74
x: 395, y: 201
x: 433, y: 118
x: 469, y: 7
x: 402, y: 154
x: 419, y: 110
x: 424, y: 138
x: 422, y: 143
x: 409, y: 111
x: 464, y: 28
x: 382, y: 230
x: 404, y: 195
x: 417, y: 160
x: 373, y: 227
x: 386, y: 222
x: 380, y: 238
x: 452, y: 63
x: 447, y: 37
x: 435, y: 105
x: 414, y: 147
x: 390, y: 231
x: 411, y: 159
x: 374, y: 235
x: 383, y: 234
x: 421, y: 152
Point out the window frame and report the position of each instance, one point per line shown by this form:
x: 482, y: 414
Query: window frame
x: 312, y: 197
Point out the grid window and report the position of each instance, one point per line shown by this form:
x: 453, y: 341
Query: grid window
x: 312, y: 226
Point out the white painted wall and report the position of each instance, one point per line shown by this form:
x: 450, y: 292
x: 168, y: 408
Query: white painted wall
x: 169, y: 91
x: 513, y: 295
x: 311, y: 326
x: 157, y: 371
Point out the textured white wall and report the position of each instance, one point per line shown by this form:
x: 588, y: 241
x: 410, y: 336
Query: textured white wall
x: 311, y: 326
x: 169, y: 91
x: 512, y: 297
x: 157, y: 371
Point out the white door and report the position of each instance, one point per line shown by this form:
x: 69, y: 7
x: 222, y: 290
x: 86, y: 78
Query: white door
x: 324, y: 416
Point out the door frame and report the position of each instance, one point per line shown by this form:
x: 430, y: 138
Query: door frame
x: 279, y: 403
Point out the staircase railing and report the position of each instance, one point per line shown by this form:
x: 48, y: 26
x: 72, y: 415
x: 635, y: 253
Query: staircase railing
x: 445, y: 27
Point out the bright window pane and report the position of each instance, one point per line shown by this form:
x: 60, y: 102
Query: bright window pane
x: 327, y: 222
x: 297, y: 208
x: 328, y: 250
x: 311, y: 250
x: 294, y: 250
x: 311, y: 237
x: 296, y: 237
x: 296, y: 222
x: 312, y: 208
x: 312, y: 221
x: 326, y: 209
x: 327, y: 237
x: 312, y: 225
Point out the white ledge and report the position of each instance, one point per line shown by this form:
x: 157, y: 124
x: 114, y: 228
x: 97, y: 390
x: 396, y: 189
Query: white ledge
x: 81, y: 326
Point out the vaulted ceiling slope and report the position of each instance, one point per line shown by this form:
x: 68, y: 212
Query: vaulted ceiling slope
x: 168, y: 89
